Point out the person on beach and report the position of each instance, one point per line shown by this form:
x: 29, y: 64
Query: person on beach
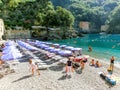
x: 92, y: 63
x: 97, y: 64
x: 3, y: 45
x: 112, y: 63
x: 82, y: 64
x: 33, y: 67
x: 68, y: 67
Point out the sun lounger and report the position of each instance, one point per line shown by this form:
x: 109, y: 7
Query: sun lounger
x: 63, y: 61
x: 57, y: 57
x: 42, y: 66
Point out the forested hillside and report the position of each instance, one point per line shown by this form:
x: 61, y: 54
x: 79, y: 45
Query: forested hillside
x: 61, y: 13
x: 27, y: 13
x: 97, y: 12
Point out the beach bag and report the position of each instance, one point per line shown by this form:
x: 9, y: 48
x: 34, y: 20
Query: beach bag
x: 109, y: 69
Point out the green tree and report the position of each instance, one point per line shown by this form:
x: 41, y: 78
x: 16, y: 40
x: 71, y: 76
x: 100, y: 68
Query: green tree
x: 114, y: 21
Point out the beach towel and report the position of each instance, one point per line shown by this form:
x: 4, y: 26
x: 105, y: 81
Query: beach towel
x: 110, y: 80
x: 107, y: 78
x: 117, y: 79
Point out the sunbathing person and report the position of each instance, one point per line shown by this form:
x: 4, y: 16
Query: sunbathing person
x: 92, y: 63
x: 97, y: 64
x: 33, y: 67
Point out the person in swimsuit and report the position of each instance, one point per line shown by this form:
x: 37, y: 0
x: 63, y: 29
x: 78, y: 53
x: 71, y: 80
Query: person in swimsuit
x: 33, y: 67
x: 97, y: 64
x: 69, y: 67
x: 112, y: 63
x: 92, y: 63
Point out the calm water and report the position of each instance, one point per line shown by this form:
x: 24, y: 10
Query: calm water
x: 104, y: 45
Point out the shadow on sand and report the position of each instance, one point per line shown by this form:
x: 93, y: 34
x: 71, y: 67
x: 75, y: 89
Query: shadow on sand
x: 62, y: 78
x: 65, y: 77
x: 78, y: 71
x: 22, y: 78
x: 56, y: 68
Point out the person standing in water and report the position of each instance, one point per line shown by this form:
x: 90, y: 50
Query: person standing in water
x: 89, y: 48
x: 33, y: 67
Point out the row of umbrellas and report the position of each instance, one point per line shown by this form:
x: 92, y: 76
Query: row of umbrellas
x: 62, y: 50
x: 26, y: 45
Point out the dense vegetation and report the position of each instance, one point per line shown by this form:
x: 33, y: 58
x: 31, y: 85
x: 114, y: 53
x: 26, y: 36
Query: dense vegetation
x: 28, y: 13
x: 97, y: 12
x: 59, y: 13
x: 39, y: 12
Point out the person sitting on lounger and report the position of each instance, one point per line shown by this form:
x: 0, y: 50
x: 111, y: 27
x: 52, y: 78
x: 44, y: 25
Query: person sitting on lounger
x: 33, y: 67
x: 92, y: 63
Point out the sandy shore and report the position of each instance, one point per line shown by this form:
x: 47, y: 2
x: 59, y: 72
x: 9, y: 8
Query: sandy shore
x: 54, y: 78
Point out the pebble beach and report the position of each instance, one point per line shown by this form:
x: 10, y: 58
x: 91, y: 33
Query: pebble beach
x: 53, y: 78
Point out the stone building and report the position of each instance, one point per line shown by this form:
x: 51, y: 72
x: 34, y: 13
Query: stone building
x: 18, y: 34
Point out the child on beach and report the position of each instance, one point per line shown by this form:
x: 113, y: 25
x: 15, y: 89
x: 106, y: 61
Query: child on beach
x: 33, y: 67
x: 92, y: 63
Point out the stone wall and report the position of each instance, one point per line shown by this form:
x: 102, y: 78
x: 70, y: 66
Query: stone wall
x: 18, y: 34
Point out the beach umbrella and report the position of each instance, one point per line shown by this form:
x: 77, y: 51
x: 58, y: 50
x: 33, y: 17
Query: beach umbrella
x: 49, y: 48
x: 63, y: 46
x: 56, y: 45
x: 78, y: 51
x: 55, y: 50
x: 69, y: 47
x: 9, y: 43
x: 65, y: 53
x: 12, y: 55
x: 10, y: 48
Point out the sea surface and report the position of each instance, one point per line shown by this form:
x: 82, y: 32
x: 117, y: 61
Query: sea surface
x: 103, y: 45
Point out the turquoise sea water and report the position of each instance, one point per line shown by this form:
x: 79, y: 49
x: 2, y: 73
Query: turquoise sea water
x: 104, y: 45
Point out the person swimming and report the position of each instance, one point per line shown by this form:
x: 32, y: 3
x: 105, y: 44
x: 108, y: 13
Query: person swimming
x: 89, y: 48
